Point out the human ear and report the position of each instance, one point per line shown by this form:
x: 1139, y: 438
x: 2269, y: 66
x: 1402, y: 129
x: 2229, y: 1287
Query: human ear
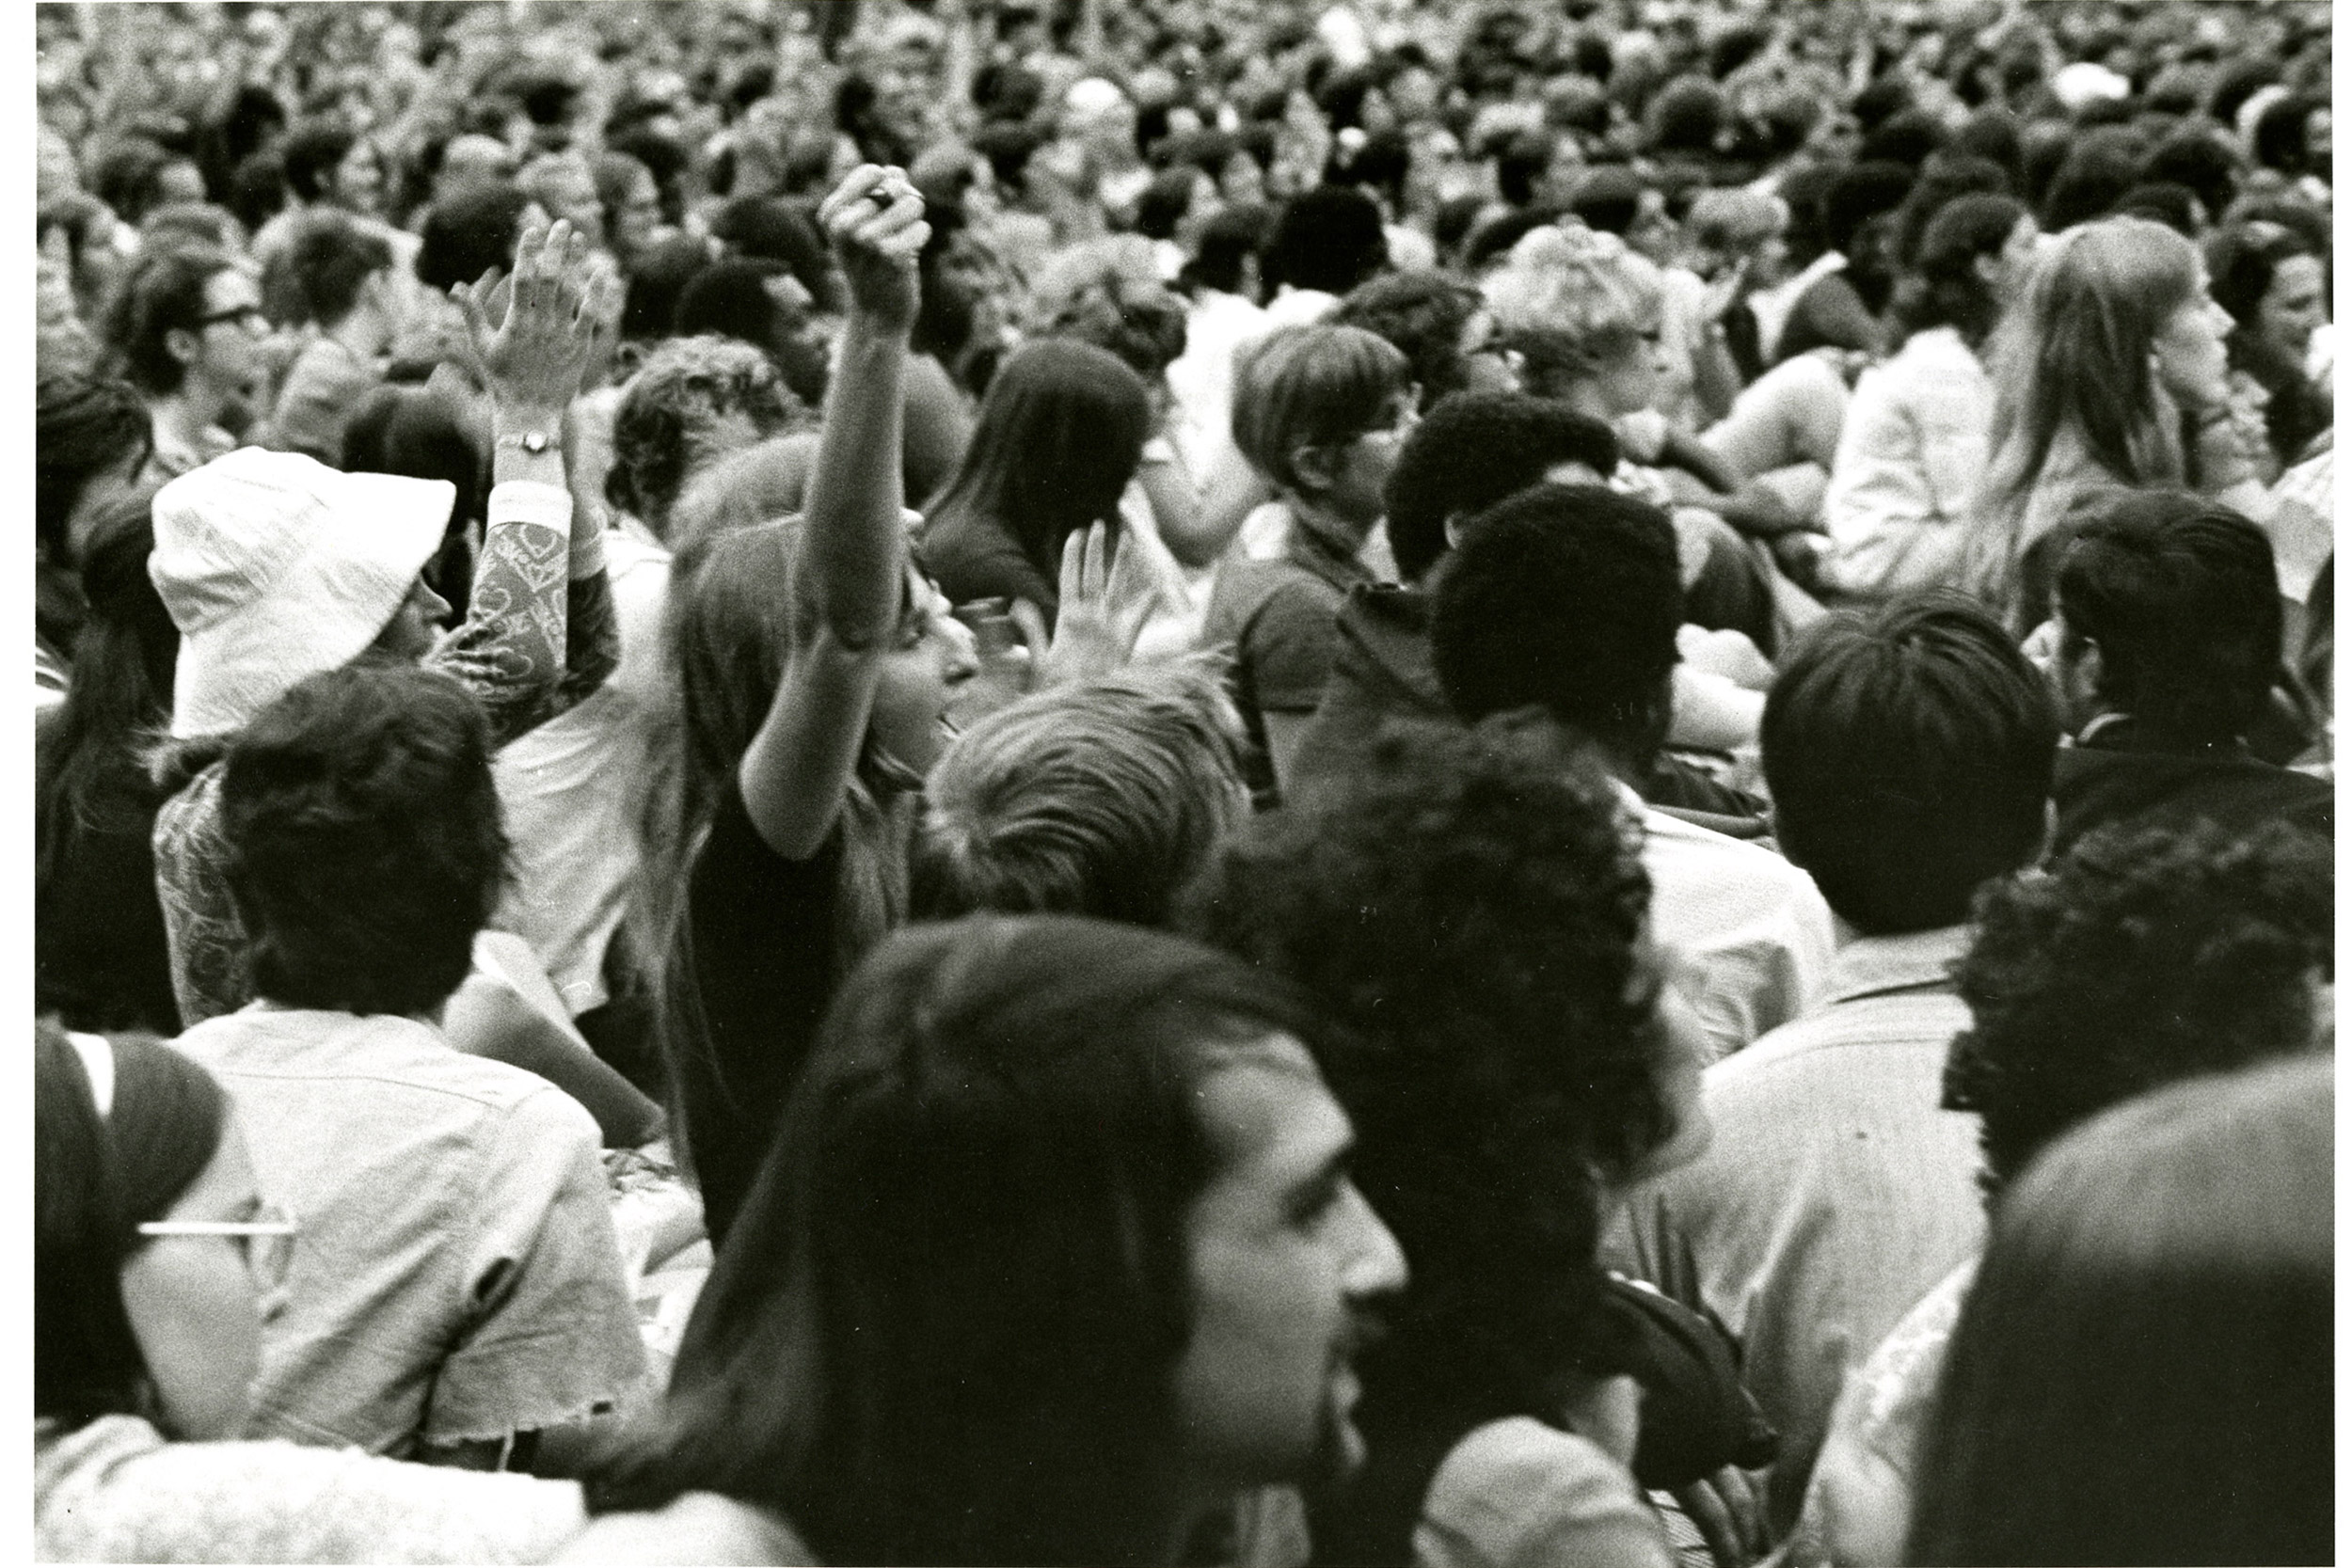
x: 182, y: 344
x: 1314, y: 468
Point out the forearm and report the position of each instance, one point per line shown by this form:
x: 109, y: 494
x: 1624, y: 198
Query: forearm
x: 856, y: 541
x: 1714, y: 374
x: 511, y: 648
x: 1231, y: 491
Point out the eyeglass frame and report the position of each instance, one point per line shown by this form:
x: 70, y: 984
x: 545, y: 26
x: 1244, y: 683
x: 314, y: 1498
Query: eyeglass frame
x: 279, y: 1222
x: 243, y: 315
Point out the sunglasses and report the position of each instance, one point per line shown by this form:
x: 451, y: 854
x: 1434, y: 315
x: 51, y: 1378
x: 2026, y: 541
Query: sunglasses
x: 268, y: 1238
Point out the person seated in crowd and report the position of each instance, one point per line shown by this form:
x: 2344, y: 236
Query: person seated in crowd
x: 1915, y: 441
x: 99, y: 960
x: 91, y: 440
x: 2142, y: 958
x: 187, y: 327
x: 1909, y: 756
x: 461, y: 1283
x: 1320, y: 412
x: 1565, y: 600
x: 1099, y: 798
x: 345, y: 278
x: 157, y: 1263
x: 275, y: 567
x: 1472, y: 451
x: 1136, y: 1123
x: 2142, y: 1370
x: 2163, y: 651
x: 1059, y: 438
x: 1475, y: 916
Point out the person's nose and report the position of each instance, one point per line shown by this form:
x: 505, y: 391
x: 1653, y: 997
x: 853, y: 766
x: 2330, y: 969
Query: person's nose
x: 1376, y: 1265
x: 964, y: 651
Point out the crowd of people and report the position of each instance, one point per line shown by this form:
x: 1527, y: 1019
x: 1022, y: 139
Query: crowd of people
x: 1490, y: 784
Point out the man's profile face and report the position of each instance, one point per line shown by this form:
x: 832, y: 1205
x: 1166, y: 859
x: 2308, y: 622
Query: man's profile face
x: 1286, y: 1256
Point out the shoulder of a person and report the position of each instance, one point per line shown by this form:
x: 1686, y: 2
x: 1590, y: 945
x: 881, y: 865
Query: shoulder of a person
x: 1524, y: 1469
x: 697, y: 1527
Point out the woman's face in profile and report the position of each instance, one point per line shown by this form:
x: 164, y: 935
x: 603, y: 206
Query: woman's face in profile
x: 2191, y: 353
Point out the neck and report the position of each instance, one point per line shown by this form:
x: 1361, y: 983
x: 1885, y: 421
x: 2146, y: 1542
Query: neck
x: 1330, y: 523
x: 186, y: 414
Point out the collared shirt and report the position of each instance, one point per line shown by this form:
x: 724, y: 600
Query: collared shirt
x: 1835, y: 1193
x: 458, y: 1277
x: 1857, y: 1511
x: 1750, y: 930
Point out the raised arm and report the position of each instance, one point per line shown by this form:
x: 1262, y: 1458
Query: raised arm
x: 512, y: 647
x: 853, y: 560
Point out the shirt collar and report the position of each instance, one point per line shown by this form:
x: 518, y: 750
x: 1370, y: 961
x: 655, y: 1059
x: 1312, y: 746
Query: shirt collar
x: 1916, y: 961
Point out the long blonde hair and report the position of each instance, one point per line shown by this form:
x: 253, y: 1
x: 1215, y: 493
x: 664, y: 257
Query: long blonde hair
x: 2075, y: 356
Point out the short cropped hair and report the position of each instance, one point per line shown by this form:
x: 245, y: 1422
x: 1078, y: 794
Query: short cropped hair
x: 365, y: 850
x: 331, y: 260
x: 2144, y: 955
x: 662, y: 430
x: 2180, y: 595
x: 1101, y: 798
x: 1329, y: 238
x: 1309, y: 387
x: 313, y: 150
x: 1473, y: 450
x: 467, y: 234
x: 163, y: 294
x: 1908, y: 754
x: 1565, y: 597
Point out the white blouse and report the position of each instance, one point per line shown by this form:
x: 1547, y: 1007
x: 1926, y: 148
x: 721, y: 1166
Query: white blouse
x: 1916, y: 441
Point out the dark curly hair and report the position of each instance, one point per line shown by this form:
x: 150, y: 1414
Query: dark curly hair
x: 1471, y: 910
x: 2145, y: 956
x: 365, y: 850
x: 1565, y: 597
x: 1473, y: 450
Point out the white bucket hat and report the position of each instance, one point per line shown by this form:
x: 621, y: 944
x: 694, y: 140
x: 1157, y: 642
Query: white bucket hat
x: 275, y: 567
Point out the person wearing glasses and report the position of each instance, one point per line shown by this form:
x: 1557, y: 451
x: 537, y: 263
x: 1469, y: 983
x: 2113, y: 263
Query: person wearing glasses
x: 157, y: 1261
x: 189, y: 330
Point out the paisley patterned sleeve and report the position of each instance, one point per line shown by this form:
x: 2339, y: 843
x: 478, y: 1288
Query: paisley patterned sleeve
x: 201, y: 930
x: 509, y: 650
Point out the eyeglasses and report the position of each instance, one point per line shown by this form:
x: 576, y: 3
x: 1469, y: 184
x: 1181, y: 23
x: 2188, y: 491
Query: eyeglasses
x: 248, y: 316
x: 268, y: 1238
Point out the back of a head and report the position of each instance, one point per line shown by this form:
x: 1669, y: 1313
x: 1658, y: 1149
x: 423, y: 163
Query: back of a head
x: 1145, y: 325
x: 84, y: 426
x: 97, y: 1173
x: 1309, y: 387
x: 2143, y: 955
x: 1059, y: 437
x: 656, y: 281
x: 1473, y: 450
x: 1575, y: 299
x: 1329, y: 238
x: 2180, y: 597
x: 2140, y: 1373
x: 364, y: 843
x: 944, y: 1326
x: 1098, y: 799
x: 1945, y: 288
x: 1566, y: 598
x: 331, y: 260
x: 467, y: 234
x: 1228, y: 241
x: 691, y: 401
x: 311, y: 150
x: 1909, y: 755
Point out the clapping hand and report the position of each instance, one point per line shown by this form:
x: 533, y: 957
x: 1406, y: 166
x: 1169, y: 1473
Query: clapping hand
x: 1107, y: 597
x: 548, y: 319
x: 874, y: 219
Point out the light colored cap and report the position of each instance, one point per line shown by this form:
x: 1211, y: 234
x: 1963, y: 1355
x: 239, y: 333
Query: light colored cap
x: 275, y: 567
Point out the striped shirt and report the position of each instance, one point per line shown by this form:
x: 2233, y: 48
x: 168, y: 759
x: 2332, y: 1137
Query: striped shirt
x: 1835, y: 1194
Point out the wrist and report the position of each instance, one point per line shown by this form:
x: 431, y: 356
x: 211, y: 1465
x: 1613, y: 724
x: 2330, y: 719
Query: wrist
x: 520, y: 415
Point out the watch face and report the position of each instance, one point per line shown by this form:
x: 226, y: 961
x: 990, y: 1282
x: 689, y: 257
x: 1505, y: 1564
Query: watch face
x: 534, y: 440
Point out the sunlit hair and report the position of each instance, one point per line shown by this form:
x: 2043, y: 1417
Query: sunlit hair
x: 1574, y: 298
x: 2140, y: 1373
x: 1311, y: 387
x: 694, y: 399
x: 2075, y: 357
x: 943, y: 1328
x: 1099, y: 798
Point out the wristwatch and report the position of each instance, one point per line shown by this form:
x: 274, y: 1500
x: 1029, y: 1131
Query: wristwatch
x: 532, y: 441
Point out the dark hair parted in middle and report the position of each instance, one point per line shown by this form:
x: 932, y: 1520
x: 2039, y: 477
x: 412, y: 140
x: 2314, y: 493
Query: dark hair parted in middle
x: 944, y: 1326
x: 364, y: 845
x: 1909, y: 755
x: 1565, y: 597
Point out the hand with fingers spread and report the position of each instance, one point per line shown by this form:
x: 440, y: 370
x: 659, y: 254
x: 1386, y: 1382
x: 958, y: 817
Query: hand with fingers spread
x: 1107, y: 597
x: 874, y: 219
x: 548, y: 319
